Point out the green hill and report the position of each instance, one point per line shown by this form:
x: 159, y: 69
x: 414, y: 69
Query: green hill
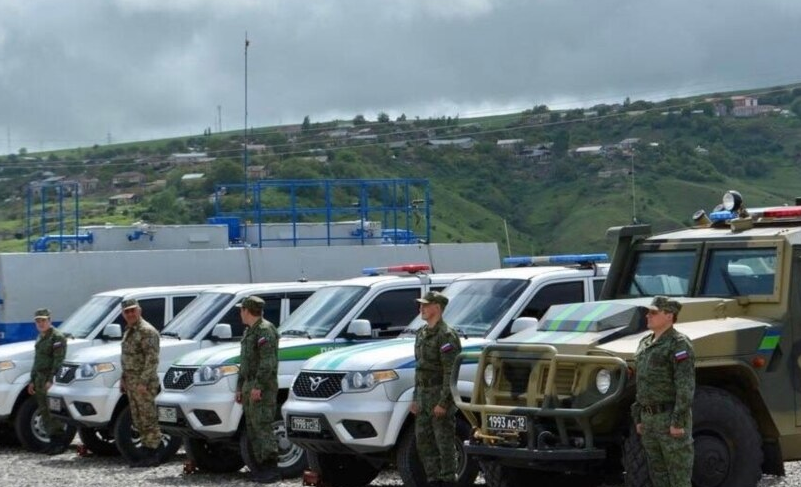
x: 552, y: 199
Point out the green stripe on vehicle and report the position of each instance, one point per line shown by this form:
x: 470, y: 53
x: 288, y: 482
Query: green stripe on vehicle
x: 587, y: 320
x: 557, y: 321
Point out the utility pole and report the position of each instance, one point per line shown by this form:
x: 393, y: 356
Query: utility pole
x: 633, y: 195
x: 8, y: 138
x: 219, y: 119
x: 245, y: 151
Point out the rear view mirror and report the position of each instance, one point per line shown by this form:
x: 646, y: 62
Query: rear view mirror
x: 524, y: 323
x: 360, y: 328
x: 112, y: 331
x: 221, y: 331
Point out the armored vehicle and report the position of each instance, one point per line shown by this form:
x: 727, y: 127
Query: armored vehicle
x: 552, y: 404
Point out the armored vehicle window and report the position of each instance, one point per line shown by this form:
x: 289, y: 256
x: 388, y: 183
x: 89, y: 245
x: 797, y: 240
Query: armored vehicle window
x: 597, y: 285
x: 740, y: 272
x: 391, y: 311
x: 559, y: 293
x: 180, y: 302
x: 322, y: 311
x: 86, y: 318
x: 661, y: 273
x: 153, y: 311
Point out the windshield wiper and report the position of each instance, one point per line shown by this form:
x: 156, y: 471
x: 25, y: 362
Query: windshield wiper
x: 173, y: 334
x: 637, y: 285
x: 300, y: 333
x: 732, y: 287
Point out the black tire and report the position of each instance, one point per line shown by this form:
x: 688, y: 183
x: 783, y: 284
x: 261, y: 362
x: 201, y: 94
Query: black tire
x: 8, y: 437
x: 342, y: 470
x: 291, y: 458
x: 130, y: 447
x: 410, y: 467
x: 98, y: 441
x: 30, y: 431
x: 497, y: 475
x: 223, y: 457
x: 634, y: 462
x: 728, y: 446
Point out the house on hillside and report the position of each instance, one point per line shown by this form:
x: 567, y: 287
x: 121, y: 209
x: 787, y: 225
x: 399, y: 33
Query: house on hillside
x: 461, y: 143
x: 257, y: 148
x: 257, y: 172
x: 129, y: 178
x: 190, y: 158
x: 509, y: 144
x: 124, y: 199
x: 629, y: 142
x: 589, y: 150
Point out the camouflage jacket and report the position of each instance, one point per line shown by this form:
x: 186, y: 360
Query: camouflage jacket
x: 435, y: 351
x: 140, y: 354
x: 50, y: 349
x: 665, y: 375
x: 258, y: 358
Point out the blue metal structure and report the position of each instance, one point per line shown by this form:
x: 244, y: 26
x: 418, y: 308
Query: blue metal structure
x: 399, y: 204
x: 54, y: 219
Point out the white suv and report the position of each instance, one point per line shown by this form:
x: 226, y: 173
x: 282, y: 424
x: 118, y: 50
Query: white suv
x: 87, y: 393
x: 360, y: 421
x: 84, y: 328
x: 354, y: 311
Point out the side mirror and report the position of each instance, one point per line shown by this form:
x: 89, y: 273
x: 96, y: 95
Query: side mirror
x: 360, y: 329
x: 521, y: 324
x: 112, y: 331
x: 221, y: 331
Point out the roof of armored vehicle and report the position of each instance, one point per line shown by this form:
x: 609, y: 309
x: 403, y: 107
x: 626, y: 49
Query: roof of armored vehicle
x: 712, y: 233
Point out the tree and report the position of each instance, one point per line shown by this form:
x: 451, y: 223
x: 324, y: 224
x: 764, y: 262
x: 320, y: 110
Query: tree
x: 306, y: 124
x: 23, y: 151
x: 402, y: 118
x: 359, y: 120
x: 383, y: 117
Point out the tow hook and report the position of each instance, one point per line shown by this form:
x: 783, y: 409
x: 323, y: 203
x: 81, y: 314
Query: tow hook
x: 190, y: 467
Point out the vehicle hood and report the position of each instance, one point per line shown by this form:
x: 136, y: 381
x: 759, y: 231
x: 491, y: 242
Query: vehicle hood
x: 170, y: 349
x: 397, y: 353
x: 221, y: 354
x: 289, y: 349
x: 17, y: 351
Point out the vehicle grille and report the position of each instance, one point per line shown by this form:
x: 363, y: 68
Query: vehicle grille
x: 318, y: 385
x: 66, y: 373
x: 563, y: 380
x: 179, y: 378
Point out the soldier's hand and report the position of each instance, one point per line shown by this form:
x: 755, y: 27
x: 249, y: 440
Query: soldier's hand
x: 255, y: 395
x: 676, y: 432
x: 639, y: 428
x: 414, y: 408
x: 48, y: 385
x: 439, y: 411
x: 31, y: 390
x: 238, y: 397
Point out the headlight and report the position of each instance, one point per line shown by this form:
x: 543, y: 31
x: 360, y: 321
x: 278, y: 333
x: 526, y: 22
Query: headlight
x: 364, y: 381
x: 6, y: 364
x: 89, y: 371
x: 489, y: 374
x: 209, y: 374
x: 603, y: 381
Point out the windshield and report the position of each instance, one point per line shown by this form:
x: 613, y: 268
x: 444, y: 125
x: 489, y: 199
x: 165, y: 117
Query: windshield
x: 740, y: 272
x: 86, y: 318
x: 322, y: 311
x: 476, y: 305
x: 662, y: 273
x: 197, y: 314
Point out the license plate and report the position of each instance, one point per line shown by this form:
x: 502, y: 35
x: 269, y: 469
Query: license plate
x: 54, y: 404
x: 299, y: 423
x: 168, y: 415
x: 504, y: 422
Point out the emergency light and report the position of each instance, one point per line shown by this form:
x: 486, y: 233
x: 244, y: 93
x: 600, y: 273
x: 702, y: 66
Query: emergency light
x: 407, y: 268
x: 564, y: 259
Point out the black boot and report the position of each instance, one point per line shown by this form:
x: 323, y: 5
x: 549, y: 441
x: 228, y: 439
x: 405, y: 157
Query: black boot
x: 150, y: 458
x: 57, y: 446
x: 266, y: 475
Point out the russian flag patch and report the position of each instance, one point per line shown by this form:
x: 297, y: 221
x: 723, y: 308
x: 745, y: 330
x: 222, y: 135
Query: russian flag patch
x: 683, y: 355
x: 262, y: 341
x: 446, y: 348
x: 57, y: 345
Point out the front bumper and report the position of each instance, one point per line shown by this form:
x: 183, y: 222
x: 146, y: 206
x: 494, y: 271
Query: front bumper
x: 360, y: 423
x: 8, y: 397
x: 83, y: 406
x: 206, y: 412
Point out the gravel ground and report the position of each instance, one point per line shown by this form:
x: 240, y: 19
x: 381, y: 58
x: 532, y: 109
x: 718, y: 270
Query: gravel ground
x: 21, y: 468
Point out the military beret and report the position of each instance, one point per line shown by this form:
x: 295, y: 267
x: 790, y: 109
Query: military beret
x: 663, y: 303
x: 41, y: 313
x: 252, y: 303
x: 434, y: 297
x: 129, y: 303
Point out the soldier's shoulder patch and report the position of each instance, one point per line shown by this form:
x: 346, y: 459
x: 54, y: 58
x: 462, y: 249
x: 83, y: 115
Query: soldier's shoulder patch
x: 446, y: 348
x: 261, y: 341
x: 57, y: 345
x: 681, y: 355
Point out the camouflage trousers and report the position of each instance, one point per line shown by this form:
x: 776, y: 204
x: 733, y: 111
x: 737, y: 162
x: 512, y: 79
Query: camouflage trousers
x: 670, y: 460
x: 145, y: 415
x: 51, y: 424
x: 435, y: 437
x: 259, y: 417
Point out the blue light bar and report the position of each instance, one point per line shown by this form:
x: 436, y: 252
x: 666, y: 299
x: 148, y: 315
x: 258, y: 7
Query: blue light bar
x: 722, y: 216
x: 564, y: 259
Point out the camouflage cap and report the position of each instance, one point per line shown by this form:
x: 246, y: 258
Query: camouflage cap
x: 41, y: 313
x: 663, y: 303
x: 435, y: 298
x: 129, y: 303
x: 252, y: 303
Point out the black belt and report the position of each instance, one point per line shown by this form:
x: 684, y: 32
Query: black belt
x: 657, y: 408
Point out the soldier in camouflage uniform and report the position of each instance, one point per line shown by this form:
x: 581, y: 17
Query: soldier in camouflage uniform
x: 665, y: 371
x: 140, y: 380
x: 257, y: 387
x: 51, y: 347
x: 435, y: 349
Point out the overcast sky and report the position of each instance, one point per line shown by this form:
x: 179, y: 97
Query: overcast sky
x: 74, y: 71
